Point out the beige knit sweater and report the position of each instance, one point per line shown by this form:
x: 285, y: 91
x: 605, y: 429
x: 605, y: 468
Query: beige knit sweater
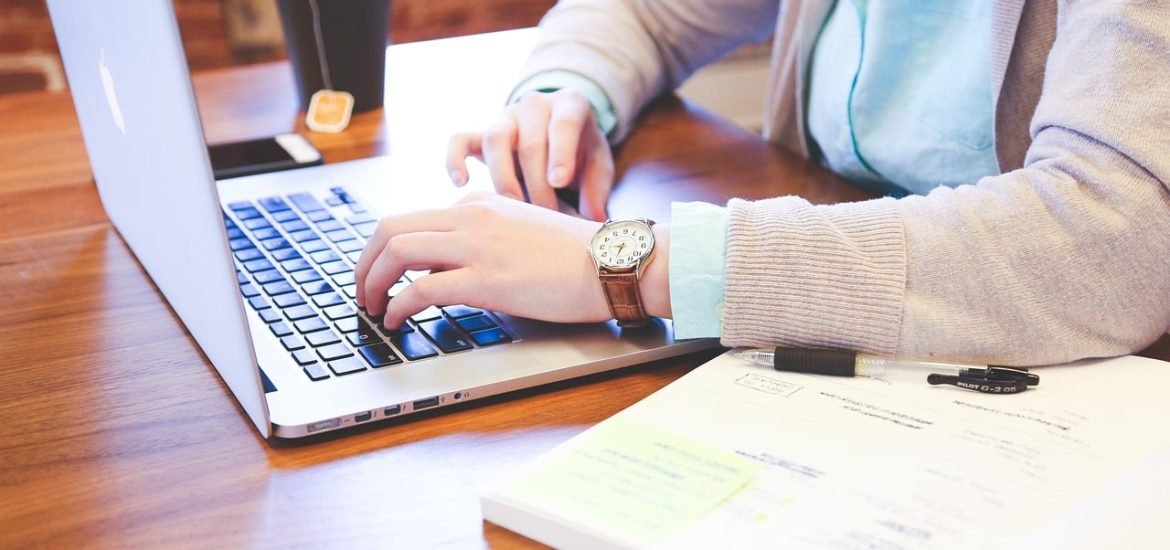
x: 1065, y: 255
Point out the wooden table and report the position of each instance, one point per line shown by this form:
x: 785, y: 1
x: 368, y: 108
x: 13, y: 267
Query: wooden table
x: 116, y: 430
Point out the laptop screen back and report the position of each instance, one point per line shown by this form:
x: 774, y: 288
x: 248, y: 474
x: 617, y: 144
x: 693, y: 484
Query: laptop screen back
x: 128, y: 76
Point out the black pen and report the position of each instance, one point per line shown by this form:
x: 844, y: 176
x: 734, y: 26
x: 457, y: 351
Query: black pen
x: 985, y: 379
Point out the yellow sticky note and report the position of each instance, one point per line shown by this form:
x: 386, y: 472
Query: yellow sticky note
x: 635, y: 481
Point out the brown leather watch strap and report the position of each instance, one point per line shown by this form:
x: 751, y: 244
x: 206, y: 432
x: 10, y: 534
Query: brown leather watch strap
x: 625, y: 300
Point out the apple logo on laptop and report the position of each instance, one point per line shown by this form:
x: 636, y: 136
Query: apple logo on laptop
x: 111, y: 96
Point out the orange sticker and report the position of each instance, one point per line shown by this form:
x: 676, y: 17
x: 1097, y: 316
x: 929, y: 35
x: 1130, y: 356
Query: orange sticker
x: 329, y: 111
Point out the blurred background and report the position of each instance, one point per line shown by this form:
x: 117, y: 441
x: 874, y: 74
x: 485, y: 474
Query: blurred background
x: 224, y: 33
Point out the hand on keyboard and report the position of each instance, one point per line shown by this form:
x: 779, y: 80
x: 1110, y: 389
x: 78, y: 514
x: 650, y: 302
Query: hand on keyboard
x: 488, y: 252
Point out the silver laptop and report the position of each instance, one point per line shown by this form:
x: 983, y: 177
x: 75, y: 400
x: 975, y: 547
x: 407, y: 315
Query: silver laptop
x: 259, y: 268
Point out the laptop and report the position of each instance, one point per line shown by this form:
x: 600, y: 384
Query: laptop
x: 260, y: 268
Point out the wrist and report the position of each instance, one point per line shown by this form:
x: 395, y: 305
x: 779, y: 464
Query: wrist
x: 654, y: 285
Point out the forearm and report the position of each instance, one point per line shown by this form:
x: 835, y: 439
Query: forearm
x: 1060, y: 260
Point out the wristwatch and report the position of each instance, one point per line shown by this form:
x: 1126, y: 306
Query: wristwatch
x: 621, y: 250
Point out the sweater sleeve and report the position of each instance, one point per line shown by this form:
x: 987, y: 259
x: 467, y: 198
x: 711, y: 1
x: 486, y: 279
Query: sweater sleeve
x: 1065, y: 258
x: 637, y: 49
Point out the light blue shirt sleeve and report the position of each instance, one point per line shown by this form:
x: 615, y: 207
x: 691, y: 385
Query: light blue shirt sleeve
x: 698, y: 254
x: 551, y: 81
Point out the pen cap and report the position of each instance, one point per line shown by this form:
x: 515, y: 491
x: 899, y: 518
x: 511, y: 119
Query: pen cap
x: 816, y: 361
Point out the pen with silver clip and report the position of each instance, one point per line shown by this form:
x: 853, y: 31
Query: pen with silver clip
x: 984, y: 379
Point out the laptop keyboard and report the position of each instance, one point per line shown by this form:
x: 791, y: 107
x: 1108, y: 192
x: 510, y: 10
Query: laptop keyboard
x: 295, y: 257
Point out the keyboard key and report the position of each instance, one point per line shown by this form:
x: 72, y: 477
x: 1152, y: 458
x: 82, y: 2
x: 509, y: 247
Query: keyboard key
x: 257, y: 265
x: 269, y: 315
x: 359, y: 339
x: 431, y: 312
x: 247, y: 212
x: 314, y: 288
x: 312, y: 324
x: 297, y: 313
x: 304, y: 357
x: 273, y: 204
x: 314, y: 246
x: 358, y: 219
x: 325, y: 256
x: 280, y: 329
x: 305, y: 202
x: 288, y: 300
x: 346, y: 366
x: 460, y: 311
x: 296, y: 225
x: 343, y: 279
x: 405, y: 328
x: 355, y: 255
x: 320, y: 215
x: 413, y: 345
x: 476, y: 322
x: 445, y: 335
x: 348, y: 324
x: 294, y: 265
x: 333, y: 352
x: 256, y: 223
x: 307, y: 276
x: 302, y: 236
x: 248, y: 254
x: 292, y: 342
x: 284, y: 216
x: 234, y: 233
x: 240, y: 243
x: 285, y: 254
x: 326, y: 300
x: 316, y: 372
x: 333, y: 201
x: 266, y: 233
x: 351, y: 246
x: 259, y: 302
x: 249, y: 290
x: 340, y: 235
x: 379, y: 355
x: 241, y: 277
x: 268, y: 276
x: 366, y: 229
x: 240, y: 205
x: 277, y: 288
x: 322, y: 338
x: 490, y: 337
x: 334, y: 268
x: 340, y: 312
x: 329, y: 225
x: 273, y: 244
x: 350, y: 290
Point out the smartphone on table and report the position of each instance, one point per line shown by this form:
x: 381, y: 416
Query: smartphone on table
x: 257, y: 156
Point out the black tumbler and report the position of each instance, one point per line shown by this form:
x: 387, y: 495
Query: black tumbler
x: 354, y: 35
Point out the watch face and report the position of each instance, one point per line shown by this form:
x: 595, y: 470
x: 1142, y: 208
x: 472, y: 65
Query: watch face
x: 622, y: 244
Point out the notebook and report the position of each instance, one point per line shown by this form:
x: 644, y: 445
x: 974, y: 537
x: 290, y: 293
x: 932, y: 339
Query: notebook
x: 260, y: 268
x: 736, y: 455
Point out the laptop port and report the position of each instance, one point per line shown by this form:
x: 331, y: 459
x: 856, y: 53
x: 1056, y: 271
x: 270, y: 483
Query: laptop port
x: 362, y: 417
x: 426, y: 403
x: 391, y: 411
x: 324, y: 425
